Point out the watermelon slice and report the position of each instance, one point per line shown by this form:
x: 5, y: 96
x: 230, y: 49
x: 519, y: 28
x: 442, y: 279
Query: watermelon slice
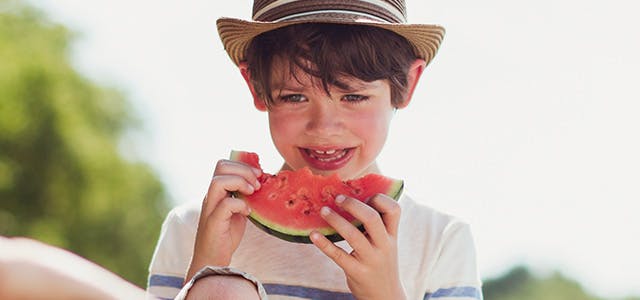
x: 287, y: 205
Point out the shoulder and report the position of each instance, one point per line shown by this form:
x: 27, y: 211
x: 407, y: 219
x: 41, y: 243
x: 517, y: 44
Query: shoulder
x: 427, y: 218
x: 186, y: 214
x: 436, y: 228
x: 181, y: 224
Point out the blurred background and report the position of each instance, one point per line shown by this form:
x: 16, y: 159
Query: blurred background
x: 525, y: 125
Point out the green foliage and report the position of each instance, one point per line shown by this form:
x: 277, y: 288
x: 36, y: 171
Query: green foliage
x: 520, y: 284
x: 63, y: 179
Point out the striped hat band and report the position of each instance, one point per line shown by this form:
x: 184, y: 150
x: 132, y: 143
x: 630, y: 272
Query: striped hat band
x: 282, y: 10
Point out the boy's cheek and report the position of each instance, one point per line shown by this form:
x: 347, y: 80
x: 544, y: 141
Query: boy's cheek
x: 286, y: 123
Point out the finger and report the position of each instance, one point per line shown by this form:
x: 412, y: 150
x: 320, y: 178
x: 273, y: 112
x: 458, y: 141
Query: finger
x: 366, y: 214
x: 229, y: 207
x: 335, y: 253
x: 225, y: 166
x: 390, y: 211
x: 350, y: 233
x: 220, y: 187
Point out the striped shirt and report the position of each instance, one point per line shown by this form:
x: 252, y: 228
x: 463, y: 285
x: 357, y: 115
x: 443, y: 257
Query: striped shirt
x: 436, y: 255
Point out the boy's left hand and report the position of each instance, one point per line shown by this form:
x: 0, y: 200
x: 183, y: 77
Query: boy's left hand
x: 371, y: 268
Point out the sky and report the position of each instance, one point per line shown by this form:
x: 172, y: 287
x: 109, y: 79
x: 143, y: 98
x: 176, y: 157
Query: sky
x: 526, y: 123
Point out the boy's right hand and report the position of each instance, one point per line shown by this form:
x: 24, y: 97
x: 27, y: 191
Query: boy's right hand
x: 223, y: 217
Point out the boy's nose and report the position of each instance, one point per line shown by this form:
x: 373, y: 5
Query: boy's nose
x: 324, y: 119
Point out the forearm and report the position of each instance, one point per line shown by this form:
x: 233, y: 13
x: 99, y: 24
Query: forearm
x: 33, y: 270
x: 26, y: 280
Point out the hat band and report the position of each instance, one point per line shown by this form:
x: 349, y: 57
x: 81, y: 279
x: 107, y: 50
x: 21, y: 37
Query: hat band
x: 375, y: 9
x: 336, y: 12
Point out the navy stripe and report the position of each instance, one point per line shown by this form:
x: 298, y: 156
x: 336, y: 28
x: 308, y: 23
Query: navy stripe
x: 305, y: 292
x: 164, y: 280
x: 462, y: 291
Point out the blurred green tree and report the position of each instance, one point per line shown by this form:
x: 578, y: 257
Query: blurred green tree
x: 63, y: 178
x: 519, y: 284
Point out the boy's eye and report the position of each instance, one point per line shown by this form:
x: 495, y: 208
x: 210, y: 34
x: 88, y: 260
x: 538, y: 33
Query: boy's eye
x: 354, y: 98
x: 293, y: 98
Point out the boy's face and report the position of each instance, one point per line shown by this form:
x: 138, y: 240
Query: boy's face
x: 342, y: 132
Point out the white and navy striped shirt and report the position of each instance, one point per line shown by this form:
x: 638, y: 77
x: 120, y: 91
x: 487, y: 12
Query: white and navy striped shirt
x: 436, y: 253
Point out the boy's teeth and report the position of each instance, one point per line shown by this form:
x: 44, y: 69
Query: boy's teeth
x: 332, y: 151
x: 329, y: 155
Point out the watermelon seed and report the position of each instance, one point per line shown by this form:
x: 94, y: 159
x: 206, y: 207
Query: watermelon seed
x: 291, y: 203
x: 303, y: 194
x: 356, y: 190
x: 283, y: 182
x: 309, y: 208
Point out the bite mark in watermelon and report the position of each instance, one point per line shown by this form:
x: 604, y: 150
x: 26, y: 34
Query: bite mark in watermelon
x: 287, y: 205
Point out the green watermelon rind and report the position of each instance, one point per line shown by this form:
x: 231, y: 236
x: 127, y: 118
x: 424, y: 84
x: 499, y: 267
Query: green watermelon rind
x: 335, y: 237
x: 302, y: 236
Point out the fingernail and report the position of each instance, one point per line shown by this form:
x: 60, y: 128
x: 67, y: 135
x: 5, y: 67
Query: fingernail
x: 256, y: 171
x: 257, y: 185
x: 325, y: 211
x: 251, y: 189
x: 340, y: 199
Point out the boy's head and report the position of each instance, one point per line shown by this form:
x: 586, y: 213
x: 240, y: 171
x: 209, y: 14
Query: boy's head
x: 330, y: 73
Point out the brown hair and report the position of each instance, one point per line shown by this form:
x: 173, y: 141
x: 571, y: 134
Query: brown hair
x: 329, y: 52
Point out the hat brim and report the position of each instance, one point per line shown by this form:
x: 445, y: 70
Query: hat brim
x: 236, y: 34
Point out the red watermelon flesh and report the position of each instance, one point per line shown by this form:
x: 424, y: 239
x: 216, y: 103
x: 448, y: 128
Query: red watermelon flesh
x: 287, y: 205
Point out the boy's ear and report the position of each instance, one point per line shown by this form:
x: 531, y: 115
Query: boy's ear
x: 257, y: 102
x: 413, y: 76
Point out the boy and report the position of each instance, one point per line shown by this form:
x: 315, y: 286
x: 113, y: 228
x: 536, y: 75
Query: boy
x: 330, y: 75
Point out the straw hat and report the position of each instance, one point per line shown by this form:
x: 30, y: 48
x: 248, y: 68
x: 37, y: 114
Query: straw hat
x: 268, y: 15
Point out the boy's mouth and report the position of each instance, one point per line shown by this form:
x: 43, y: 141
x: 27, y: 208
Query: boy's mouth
x: 327, y: 159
